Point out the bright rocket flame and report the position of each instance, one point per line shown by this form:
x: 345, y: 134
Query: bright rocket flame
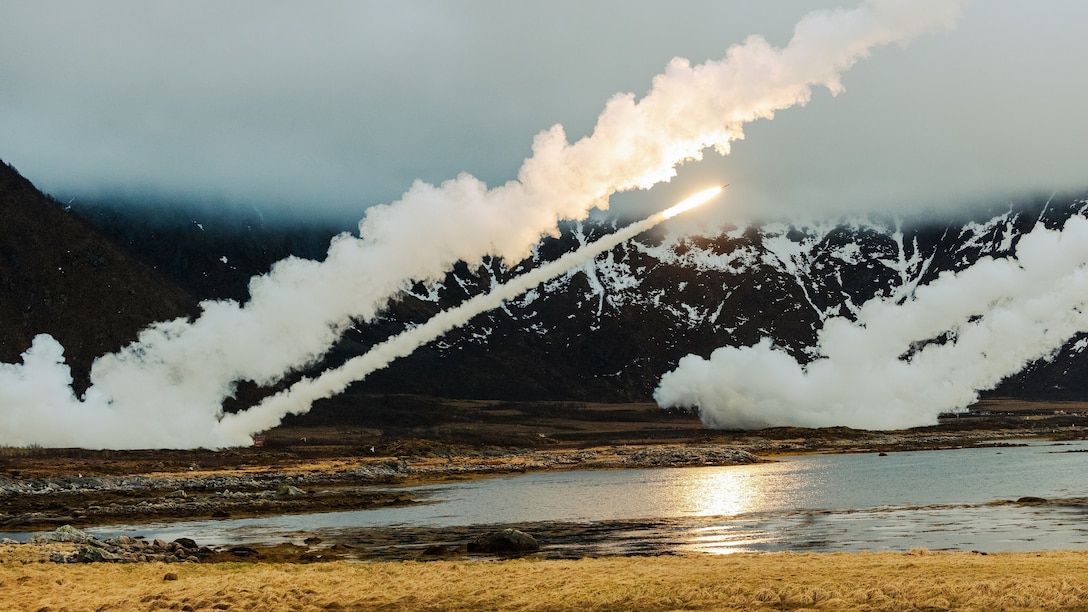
x: 698, y: 199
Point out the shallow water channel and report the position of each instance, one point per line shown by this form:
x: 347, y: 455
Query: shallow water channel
x: 950, y: 499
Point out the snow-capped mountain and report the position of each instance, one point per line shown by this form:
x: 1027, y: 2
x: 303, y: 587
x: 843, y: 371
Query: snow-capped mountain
x: 609, y: 329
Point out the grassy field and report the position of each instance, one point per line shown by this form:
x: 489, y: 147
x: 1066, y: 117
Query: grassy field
x: 778, y: 581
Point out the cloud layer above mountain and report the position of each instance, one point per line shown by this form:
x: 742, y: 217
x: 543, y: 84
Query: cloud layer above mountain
x: 332, y: 107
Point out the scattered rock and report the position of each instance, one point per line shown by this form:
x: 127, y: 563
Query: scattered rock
x: 179, y: 494
x: 1031, y: 501
x: 286, y: 490
x: 126, y: 549
x: 93, y: 554
x: 187, y: 543
x: 243, y: 551
x: 170, y: 576
x: 312, y: 541
x: 505, y: 541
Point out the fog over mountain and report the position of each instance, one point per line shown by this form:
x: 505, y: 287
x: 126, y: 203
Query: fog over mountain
x: 59, y: 277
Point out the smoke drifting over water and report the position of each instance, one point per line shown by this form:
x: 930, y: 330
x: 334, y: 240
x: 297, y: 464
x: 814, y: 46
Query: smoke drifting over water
x: 167, y: 389
x: 901, y: 364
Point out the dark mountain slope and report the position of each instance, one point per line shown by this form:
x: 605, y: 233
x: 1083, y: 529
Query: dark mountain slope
x: 608, y: 330
x: 60, y: 277
x: 209, y: 250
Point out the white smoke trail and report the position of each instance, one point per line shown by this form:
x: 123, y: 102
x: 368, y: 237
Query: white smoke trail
x: 238, y: 428
x: 883, y: 371
x: 167, y: 389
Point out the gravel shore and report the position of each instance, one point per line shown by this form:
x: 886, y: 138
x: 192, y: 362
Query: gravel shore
x: 34, y: 499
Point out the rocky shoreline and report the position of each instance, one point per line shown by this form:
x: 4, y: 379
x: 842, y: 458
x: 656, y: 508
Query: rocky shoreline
x: 37, y: 496
x: 39, y: 502
x: 66, y: 544
x: 542, y: 540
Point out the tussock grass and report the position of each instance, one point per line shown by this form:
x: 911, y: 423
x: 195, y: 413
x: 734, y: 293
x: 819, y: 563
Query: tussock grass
x: 778, y: 581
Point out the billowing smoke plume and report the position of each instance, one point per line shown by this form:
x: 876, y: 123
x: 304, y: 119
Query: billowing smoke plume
x: 901, y: 364
x: 167, y: 389
x: 301, y: 396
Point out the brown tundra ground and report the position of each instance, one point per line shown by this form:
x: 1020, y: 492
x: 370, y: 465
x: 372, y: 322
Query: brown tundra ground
x: 918, y: 580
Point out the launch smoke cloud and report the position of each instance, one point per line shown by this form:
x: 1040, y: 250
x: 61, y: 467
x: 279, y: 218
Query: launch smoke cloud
x: 301, y: 396
x: 901, y: 364
x: 167, y: 389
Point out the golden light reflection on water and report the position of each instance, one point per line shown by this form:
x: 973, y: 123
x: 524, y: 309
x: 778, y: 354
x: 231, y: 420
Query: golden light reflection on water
x: 723, y: 492
x: 726, y: 540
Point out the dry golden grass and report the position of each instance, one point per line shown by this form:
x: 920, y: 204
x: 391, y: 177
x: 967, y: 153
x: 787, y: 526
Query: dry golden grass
x: 865, y: 581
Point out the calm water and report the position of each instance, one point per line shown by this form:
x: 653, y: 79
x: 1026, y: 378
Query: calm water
x: 932, y: 499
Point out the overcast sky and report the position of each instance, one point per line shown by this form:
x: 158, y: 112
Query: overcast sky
x: 328, y: 107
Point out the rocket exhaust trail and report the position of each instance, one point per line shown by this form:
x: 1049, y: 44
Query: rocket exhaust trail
x: 237, y: 428
x: 166, y: 390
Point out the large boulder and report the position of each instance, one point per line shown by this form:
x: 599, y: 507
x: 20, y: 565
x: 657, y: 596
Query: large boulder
x: 67, y: 533
x: 1031, y: 501
x: 505, y: 541
x: 89, y: 553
